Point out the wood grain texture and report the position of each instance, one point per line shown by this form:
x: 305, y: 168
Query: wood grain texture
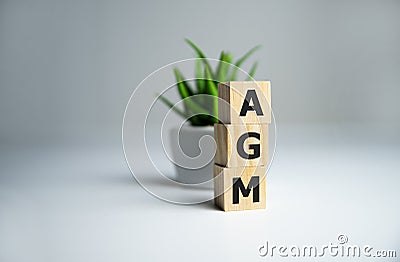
x: 224, y: 189
x: 227, y: 140
x: 232, y: 95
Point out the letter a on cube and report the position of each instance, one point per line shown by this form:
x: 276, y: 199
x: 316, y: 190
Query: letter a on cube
x: 245, y: 102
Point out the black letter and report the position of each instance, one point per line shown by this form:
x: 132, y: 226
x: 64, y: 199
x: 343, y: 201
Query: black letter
x: 251, y: 94
x: 256, y: 148
x: 238, y: 184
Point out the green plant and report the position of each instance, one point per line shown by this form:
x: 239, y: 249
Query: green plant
x: 202, y: 111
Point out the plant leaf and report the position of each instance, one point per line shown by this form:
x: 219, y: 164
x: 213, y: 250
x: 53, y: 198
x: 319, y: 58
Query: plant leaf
x: 202, y: 118
x: 199, y: 77
x: 199, y: 120
x: 252, y: 72
x: 242, y: 60
x: 223, y: 66
x: 183, y: 86
x: 190, y: 104
x: 172, y: 106
x: 200, y: 53
x: 212, y: 89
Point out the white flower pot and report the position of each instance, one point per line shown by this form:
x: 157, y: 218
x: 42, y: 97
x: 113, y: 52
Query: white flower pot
x: 193, y: 150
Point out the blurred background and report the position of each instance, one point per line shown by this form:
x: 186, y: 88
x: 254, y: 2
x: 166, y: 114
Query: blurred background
x: 68, y: 68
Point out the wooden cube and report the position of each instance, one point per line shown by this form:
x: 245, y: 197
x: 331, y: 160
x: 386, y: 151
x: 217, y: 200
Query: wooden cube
x: 240, y: 188
x: 244, y: 102
x: 241, y: 145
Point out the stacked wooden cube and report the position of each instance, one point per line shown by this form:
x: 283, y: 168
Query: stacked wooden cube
x: 241, y: 135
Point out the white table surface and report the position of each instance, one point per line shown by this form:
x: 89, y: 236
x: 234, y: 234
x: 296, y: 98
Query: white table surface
x: 80, y: 203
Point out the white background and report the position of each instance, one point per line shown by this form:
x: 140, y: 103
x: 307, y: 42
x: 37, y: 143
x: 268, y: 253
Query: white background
x: 67, y: 69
